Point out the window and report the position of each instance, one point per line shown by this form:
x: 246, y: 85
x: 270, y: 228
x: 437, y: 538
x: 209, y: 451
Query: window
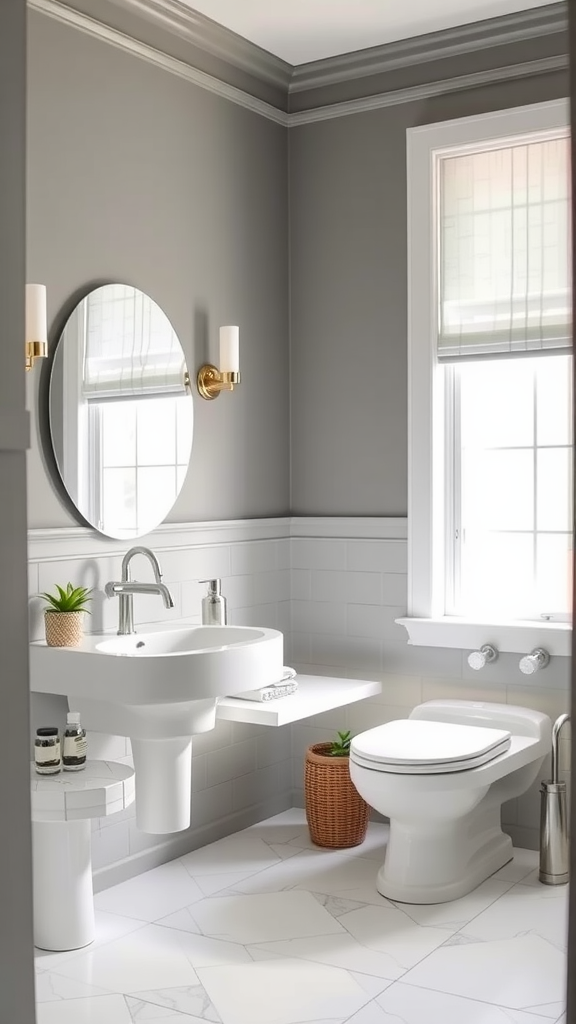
x: 134, y: 396
x: 510, y: 494
x: 490, y: 402
x: 140, y: 452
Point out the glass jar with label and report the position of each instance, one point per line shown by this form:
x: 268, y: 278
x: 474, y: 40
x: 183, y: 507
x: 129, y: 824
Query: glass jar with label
x: 73, y: 744
x: 47, y: 756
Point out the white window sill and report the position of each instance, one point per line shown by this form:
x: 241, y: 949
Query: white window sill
x: 515, y: 637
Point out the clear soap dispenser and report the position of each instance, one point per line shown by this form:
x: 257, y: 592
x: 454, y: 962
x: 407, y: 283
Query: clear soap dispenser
x: 213, y: 605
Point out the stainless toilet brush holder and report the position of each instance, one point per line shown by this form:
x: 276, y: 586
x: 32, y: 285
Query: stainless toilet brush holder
x: 554, y: 851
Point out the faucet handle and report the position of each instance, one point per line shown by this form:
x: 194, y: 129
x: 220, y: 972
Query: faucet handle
x: 533, y: 662
x: 486, y: 654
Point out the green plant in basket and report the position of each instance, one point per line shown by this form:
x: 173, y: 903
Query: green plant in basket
x: 64, y: 615
x: 337, y: 815
x: 72, y: 599
x: 341, y: 746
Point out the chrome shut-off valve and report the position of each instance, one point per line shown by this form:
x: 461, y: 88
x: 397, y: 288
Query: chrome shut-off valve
x: 533, y: 662
x: 486, y: 655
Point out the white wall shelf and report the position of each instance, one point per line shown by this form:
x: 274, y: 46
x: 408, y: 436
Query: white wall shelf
x: 512, y: 637
x: 314, y: 695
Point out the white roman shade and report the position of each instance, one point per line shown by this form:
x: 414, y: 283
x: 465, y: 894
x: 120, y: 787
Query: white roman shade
x: 131, y: 349
x: 504, y: 269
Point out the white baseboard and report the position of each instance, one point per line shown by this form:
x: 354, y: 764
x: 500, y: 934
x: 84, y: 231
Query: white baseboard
x: 522, y: 837
x: 178, y: 845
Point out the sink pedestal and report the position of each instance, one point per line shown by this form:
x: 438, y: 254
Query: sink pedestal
x: 161, y: 738
x: 163, y: 771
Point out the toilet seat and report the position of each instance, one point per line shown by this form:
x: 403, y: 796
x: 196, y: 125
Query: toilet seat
x: 418, y: 746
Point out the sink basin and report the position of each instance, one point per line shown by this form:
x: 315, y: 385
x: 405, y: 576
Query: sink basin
x: 160, y: 689
x: 164, y: 667
x: 182, y: 641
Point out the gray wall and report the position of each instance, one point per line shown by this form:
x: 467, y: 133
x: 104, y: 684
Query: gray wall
x: 136, y: 175
x: 349, y: 298
x: 16, y: 971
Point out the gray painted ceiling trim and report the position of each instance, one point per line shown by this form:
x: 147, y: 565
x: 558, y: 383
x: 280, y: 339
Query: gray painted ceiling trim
x: 181, y: 20
x: 59, y: 11
x: 415, y: 93
x: 511, y: 28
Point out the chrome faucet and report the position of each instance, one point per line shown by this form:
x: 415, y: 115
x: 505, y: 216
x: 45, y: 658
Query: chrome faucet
x: 126, y: 588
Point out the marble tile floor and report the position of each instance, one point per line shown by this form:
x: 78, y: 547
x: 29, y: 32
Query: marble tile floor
x: 265, y: 928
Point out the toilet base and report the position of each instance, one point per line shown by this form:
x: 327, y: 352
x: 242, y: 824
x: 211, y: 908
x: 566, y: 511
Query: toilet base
x: 439, y: 865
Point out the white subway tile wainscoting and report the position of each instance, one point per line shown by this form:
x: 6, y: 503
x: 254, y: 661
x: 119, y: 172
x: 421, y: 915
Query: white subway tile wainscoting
x: 240, y: 919
x: 261, y: 927
x: 334, y: 587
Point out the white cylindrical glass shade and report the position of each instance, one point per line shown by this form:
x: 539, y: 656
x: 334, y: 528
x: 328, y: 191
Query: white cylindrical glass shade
x: 229, y: 350
x: 36, y: 313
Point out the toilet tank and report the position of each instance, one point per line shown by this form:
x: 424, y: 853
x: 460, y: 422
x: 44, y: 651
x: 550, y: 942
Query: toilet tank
x: 519, y: 721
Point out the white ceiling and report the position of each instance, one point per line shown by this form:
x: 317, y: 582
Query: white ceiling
x: 299, y: 31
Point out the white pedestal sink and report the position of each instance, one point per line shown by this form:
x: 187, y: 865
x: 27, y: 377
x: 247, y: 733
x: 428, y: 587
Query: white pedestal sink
x: 158, y: 688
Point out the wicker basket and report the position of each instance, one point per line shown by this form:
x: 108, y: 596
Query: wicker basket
x: 64, y: 629
x: 336, y: 813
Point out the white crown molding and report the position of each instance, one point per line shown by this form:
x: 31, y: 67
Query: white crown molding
x: 59, y: 543
x: 415, y: 93
x: 349, y: 527
x: 179, y: 19
x: 60, y: 12
x: 512, y: 28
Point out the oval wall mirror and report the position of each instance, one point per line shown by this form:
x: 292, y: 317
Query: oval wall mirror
x: 120, y: 411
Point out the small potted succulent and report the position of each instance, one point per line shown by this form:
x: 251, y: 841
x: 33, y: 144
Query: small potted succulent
x: 64, y: 616
x: 337, y: 815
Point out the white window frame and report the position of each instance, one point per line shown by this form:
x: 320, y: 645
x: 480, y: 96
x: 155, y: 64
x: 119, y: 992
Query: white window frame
x: 425, y: 621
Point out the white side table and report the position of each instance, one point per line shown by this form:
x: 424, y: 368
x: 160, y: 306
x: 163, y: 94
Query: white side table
x: 62, y: 806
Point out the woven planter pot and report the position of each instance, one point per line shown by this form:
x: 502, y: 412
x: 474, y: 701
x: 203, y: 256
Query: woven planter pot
x: 64, y: 629
x: 336, y: 813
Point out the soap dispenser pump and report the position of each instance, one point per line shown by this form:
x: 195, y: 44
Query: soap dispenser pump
x: 213, y: 605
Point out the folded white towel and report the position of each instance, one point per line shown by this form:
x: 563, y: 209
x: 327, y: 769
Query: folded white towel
x: 283, y: 688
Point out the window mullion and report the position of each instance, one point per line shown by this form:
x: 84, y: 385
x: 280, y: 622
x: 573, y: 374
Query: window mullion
x: 535, y: 493
x: 452, y: 491
x: 96, y: 470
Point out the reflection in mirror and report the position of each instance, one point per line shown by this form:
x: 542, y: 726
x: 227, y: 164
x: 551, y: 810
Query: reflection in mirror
x: 120, y: 411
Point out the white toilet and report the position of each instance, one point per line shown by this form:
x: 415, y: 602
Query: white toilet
x: 441, y: 777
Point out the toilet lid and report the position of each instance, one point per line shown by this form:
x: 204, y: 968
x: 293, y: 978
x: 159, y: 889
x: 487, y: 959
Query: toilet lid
x: 414, y: 746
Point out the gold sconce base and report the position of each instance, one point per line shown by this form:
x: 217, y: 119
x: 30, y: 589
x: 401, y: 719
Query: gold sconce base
x: 34, y: 350
x: 210, y: 382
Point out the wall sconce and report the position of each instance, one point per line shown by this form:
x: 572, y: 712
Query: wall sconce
x: 211, y: 380
x: 36, y: 337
